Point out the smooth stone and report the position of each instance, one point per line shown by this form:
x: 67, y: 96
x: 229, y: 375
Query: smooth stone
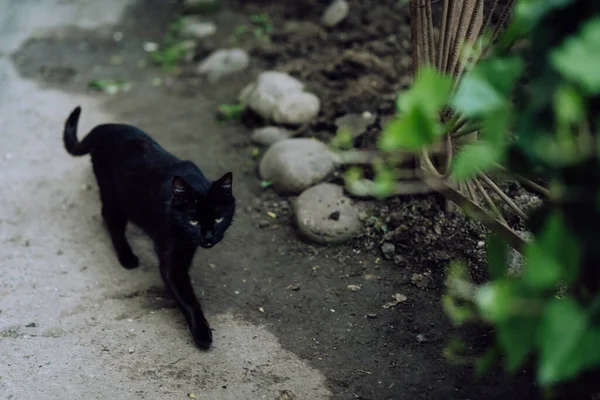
x: 270, y: 134
x: 264, y: 95
x: 335, y: 13
x: 222, y: 63
x: 293, y: 165
x: 297, y: 108
x: 388, y: 250
x: 197, y: 29
x: 356, y: 124
x: 325, y: 215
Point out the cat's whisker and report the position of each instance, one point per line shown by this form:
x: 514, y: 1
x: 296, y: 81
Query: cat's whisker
x: 234, y: 240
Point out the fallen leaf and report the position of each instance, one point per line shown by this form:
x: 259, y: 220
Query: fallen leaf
x: 293, y: 287
x: 191, y: 395
x: 261, y: 309
x: 354, y: 288
x: 272, y: 214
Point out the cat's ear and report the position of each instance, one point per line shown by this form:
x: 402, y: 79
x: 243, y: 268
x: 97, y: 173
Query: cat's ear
x: 179, y: 190
x: 224, y: 183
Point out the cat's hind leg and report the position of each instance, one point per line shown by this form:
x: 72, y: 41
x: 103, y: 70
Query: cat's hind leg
x: 114, y: 217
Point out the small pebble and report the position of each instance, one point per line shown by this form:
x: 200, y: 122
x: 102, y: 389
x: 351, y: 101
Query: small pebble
x: 388, y: 250
x: 197, y: 29
x: 222, y: 63
x: 335, y: 13
x: 149, y: 47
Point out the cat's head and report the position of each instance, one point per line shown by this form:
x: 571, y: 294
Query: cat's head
x: 203, y: 216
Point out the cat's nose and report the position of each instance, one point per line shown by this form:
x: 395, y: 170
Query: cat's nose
x: 208, y: 235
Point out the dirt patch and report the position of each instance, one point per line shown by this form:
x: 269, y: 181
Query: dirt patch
x: 325, y: 304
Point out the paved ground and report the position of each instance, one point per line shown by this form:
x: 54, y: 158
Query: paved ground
x: 72, y: 323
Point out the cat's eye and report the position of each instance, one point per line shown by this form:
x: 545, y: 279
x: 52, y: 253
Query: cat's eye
x: 193, y: 222
x: 219, y: 220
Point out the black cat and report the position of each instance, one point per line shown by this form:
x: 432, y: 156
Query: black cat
x: 170, y: 199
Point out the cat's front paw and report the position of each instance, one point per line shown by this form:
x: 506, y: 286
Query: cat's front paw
x: 129, y: 261
x: 202, y: 335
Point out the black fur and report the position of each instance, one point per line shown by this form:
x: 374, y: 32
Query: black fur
x: 170, y: 199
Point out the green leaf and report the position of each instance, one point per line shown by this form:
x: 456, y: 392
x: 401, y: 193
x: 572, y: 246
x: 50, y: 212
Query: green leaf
x: 485, y: 362
x: 496, y: 300
x: 516, y: 337
x: 475, y: 157
x: 553, y: 257
x: 430, y: 92
x: 412, y: 130
x: 385, y: 181
x: 568, y: 344
x: 418, y: 124
x: 343, y: 139
x: 530, y: 12
x: 353, y: 174
x: 497, y: 253
x: 568, y: 105
x: 496, y: 126
x: 486, y: 87
x: 231, y: 111
x: 459, y: 314
x: 578, y: 59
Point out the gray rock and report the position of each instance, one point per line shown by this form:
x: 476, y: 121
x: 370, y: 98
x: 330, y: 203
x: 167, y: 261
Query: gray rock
x: 325, y: 215
x: 356, y: 124
x: 388, y: 250
x: 335, y: 13
x: 222, y: 63
x: 195, y: 28
x: 280, y: 97
x: 293, y: 165
x: 270, y: 134
x: 297, y: 108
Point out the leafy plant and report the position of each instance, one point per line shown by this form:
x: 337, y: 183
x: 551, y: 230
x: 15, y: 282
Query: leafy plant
x: 173, y: 49
x: 534, y: 116
x: 230, y: 112
x: 260, y: 26
x: 263, y: 26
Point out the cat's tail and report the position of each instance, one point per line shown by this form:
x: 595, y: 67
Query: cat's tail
x: 72, y: 144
